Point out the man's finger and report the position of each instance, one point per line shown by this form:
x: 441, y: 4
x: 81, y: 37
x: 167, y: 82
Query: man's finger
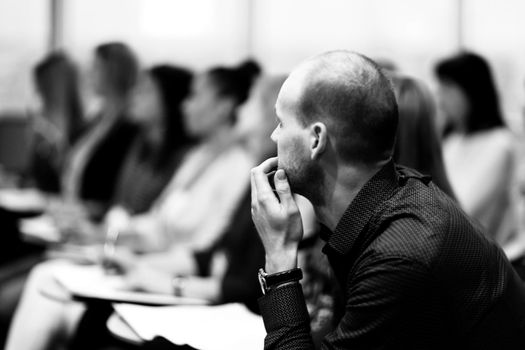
x: 283, y: 189
x: 268, y: 165
x: 260, y: 176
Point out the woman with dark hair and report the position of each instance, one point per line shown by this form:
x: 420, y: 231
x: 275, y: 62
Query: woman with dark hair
x: 58, y: 123
x: 215, y: 96
x: 162, y: 141
x: 197, y: 204
x: 417, y: 142
x: 478, y: 148
x: 237, y: 242
x: 468, y: 95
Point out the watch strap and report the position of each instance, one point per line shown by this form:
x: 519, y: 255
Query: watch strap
x: 271, y: 281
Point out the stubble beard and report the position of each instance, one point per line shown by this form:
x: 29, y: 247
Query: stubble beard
x: 306, y: 178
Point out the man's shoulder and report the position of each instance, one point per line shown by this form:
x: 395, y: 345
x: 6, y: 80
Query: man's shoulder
x: 419, y: 199
x: 418, y: 222
x: 411, y: 237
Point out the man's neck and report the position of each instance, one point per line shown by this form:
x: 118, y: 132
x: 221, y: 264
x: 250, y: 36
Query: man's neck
x: 341, y: 191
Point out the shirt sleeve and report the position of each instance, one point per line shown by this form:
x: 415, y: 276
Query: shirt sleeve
x: 286, y: 319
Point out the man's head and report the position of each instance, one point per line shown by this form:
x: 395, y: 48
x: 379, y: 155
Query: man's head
x: 336, y: 105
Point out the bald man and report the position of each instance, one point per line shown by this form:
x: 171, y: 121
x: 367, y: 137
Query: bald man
x: 415, y: 271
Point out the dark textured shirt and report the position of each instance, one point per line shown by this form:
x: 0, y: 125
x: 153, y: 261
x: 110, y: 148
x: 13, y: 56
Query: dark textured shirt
x: 416, y: 273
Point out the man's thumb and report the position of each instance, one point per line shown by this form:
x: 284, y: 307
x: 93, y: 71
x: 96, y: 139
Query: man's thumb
x: 282, y: 186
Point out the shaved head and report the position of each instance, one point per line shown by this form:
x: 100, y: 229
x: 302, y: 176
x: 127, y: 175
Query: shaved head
x: 349, y: 93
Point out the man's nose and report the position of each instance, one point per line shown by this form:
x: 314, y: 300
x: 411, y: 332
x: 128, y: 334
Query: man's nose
x: 273, y: 136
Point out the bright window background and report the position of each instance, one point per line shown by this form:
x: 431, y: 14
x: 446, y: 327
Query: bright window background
x: 413, y: 34
x: 197, y: 33
x: 496, y: 29
x: 23, y: 39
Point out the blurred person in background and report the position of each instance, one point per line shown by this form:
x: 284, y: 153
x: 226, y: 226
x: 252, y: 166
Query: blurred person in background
x: 210, y: 182
x: 162, y: 142
x: 239, y: 242
x: 156, y: 151
x: 418, y: 144
x: 95, y: 161
x: 478, y: 147
x: 56, y: 124
x: 516, y: 249
x: 197, y: 204
x: 155, y: 106
x: 59, y: 121
x: 158, y: 148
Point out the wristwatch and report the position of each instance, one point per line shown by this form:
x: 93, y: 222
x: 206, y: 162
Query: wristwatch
x: 271, y: 281
x: 178, y: 283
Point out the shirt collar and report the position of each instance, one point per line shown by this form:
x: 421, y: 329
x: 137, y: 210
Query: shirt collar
x: 379, y: 188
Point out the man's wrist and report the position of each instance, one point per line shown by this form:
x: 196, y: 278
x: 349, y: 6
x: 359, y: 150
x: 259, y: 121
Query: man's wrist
x: 281, y: 261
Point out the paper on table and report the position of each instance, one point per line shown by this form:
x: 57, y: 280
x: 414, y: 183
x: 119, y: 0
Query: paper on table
x: 22, y: 200
x: 224, y: 327
x: 41, y: 228
x: 92, y: 283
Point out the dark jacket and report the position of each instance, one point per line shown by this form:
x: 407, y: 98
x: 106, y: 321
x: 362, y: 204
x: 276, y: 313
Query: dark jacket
x: 101, y: 171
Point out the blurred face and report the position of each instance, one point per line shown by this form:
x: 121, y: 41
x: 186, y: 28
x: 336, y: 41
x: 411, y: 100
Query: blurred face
x: 256, y: 123
x: 146, y: 102
x: 204, y: 111
x: 97, y: 77
x: 452, y: 103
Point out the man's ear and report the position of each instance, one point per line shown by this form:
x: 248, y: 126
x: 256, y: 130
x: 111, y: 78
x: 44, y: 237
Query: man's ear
x: 318, y: 139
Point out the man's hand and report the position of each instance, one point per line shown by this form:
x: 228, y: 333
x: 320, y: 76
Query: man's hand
x: 276, y: 217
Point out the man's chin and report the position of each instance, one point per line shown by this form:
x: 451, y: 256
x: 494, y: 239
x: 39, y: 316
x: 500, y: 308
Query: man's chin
x: 293, y: 181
